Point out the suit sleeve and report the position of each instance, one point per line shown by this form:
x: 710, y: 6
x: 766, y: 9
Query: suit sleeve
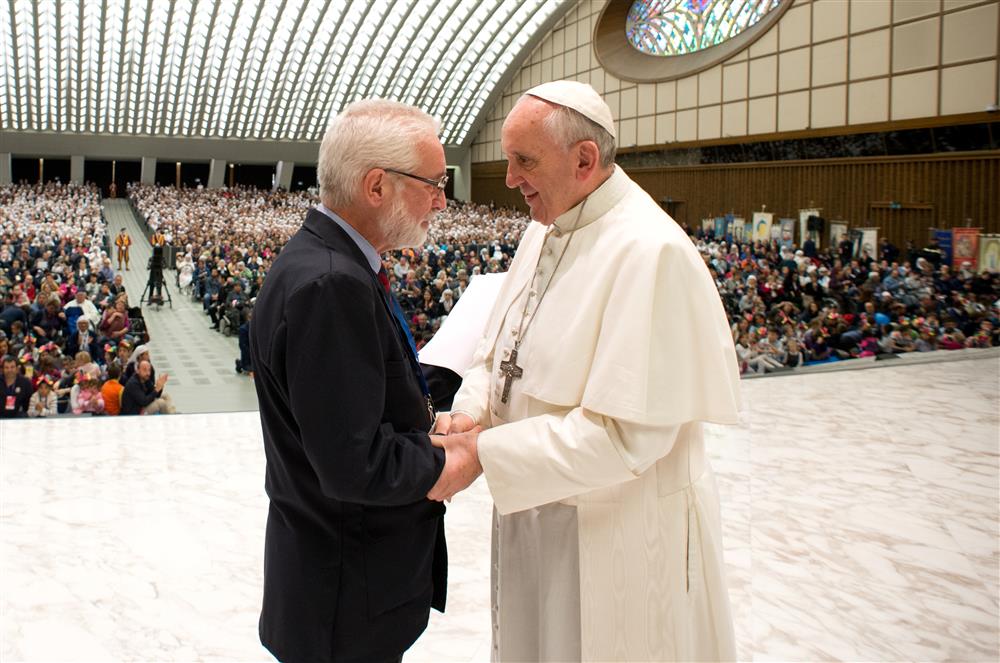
x: 336, y: 375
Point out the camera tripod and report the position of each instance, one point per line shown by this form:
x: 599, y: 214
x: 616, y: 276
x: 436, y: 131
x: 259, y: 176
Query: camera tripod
x: 158, y: 285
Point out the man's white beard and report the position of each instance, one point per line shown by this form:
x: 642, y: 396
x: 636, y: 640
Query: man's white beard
x: 401, y: 230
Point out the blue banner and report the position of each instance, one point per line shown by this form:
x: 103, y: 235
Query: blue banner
x: 720, y: 227
x: 944, y: 243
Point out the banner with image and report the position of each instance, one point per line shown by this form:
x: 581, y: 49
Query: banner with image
x: 837, y: 228
x: 740, y: 233
x: 865, y: 239
x: 708, y: 225
x: 776, y: 232
x: 787, y: 233
x: 720, y: 227
x: 964, y: 247
x: 989, y: 253
x: 762, y: 226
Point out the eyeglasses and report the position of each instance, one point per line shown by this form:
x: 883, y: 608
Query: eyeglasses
x: 439, y: 183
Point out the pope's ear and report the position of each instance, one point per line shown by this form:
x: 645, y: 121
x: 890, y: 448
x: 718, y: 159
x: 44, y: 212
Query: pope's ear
x: 373, y: 187
x: 588, y: 158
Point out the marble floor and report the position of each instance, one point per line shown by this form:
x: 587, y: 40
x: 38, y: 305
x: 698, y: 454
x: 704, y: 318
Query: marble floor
x: 860, y: 510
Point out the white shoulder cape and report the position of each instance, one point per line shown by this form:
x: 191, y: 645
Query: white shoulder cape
x: 633, y: 326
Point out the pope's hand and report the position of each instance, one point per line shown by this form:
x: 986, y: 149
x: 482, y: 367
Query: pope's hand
x: 442, y: 424
x: 461, y: 463
x: 449, y: 424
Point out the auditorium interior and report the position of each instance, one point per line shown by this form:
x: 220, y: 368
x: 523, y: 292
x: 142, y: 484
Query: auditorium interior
x: 836, y: 163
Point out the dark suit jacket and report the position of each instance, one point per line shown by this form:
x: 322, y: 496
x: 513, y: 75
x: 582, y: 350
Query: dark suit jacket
x: 138, y: 394
x: 354, y: 555
x: 73, y: 346
x: 20, y: 395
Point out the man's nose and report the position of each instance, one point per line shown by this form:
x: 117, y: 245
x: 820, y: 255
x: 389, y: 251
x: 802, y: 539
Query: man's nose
x: 439, y: 202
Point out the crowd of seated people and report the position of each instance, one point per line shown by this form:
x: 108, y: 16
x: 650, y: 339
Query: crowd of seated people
x: 789, y: 309
x: 465, y: 239
x: 67, y: 343
x: 228, y: 238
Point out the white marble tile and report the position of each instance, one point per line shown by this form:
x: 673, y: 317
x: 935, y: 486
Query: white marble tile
x: 860, y: 512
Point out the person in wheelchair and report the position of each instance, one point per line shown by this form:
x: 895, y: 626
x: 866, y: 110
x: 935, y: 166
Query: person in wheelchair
x: 232, y: 315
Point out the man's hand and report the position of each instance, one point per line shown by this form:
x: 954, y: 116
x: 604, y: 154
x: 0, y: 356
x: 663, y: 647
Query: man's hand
x: 461, y: 463
x: 449, y: 424
x: 161, y: 382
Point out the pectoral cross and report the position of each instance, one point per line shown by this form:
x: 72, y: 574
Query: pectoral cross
x: 511, y: 371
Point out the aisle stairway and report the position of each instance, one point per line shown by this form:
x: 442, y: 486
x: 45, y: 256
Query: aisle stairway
x: 199, y: 360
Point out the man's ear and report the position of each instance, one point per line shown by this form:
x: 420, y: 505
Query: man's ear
x: 587, y: 159
x: 373, y: 187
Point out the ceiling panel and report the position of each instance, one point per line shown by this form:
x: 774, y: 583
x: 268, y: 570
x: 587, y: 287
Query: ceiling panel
x: 275, y: 70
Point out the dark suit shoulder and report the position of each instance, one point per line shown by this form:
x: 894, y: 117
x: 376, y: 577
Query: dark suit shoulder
x: 307, y: 258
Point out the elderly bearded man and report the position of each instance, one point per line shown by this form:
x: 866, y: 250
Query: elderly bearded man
x: 606, y: 349
x: 354, y: 553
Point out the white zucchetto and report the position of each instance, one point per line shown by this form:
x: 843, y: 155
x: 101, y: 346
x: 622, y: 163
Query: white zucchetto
x: 580, y: 97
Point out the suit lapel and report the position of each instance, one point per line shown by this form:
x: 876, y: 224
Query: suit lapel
x: 337, y: 239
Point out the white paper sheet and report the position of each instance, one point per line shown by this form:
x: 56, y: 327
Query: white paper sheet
x: 455, y: 342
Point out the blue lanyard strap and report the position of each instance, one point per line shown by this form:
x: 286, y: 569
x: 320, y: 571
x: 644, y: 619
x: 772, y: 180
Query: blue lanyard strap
x: 402, y: 326
x: 397, y: 313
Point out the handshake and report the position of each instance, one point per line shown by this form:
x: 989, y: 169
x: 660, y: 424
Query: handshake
x: 458, y: 436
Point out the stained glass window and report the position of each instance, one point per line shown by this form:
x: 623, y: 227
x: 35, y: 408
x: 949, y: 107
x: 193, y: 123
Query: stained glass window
x: 676, y: 27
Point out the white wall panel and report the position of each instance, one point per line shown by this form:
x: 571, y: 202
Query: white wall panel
x: 970, y: 34
x: 825, y: 63
x: 914, y: 95
x: 968, y: 88
x: 869, y: 101
x: 915, y: 45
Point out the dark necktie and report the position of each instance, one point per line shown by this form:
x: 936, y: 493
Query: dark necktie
x: 383, y: 278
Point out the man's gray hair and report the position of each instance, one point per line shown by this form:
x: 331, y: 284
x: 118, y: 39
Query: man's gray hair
x: 373, y: 133
x: 569, y: 127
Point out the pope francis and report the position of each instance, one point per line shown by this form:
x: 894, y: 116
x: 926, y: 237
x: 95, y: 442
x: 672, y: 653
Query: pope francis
x: 606, y: 350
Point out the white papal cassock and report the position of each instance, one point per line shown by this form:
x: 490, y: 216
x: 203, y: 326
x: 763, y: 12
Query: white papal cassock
x: 607, y: 540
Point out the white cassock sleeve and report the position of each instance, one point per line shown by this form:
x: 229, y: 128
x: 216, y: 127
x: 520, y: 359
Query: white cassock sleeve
x: 473, y: 398
x: 553, y: 457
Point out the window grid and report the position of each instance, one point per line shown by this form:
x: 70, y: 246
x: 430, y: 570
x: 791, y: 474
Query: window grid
x: 237, y: 69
